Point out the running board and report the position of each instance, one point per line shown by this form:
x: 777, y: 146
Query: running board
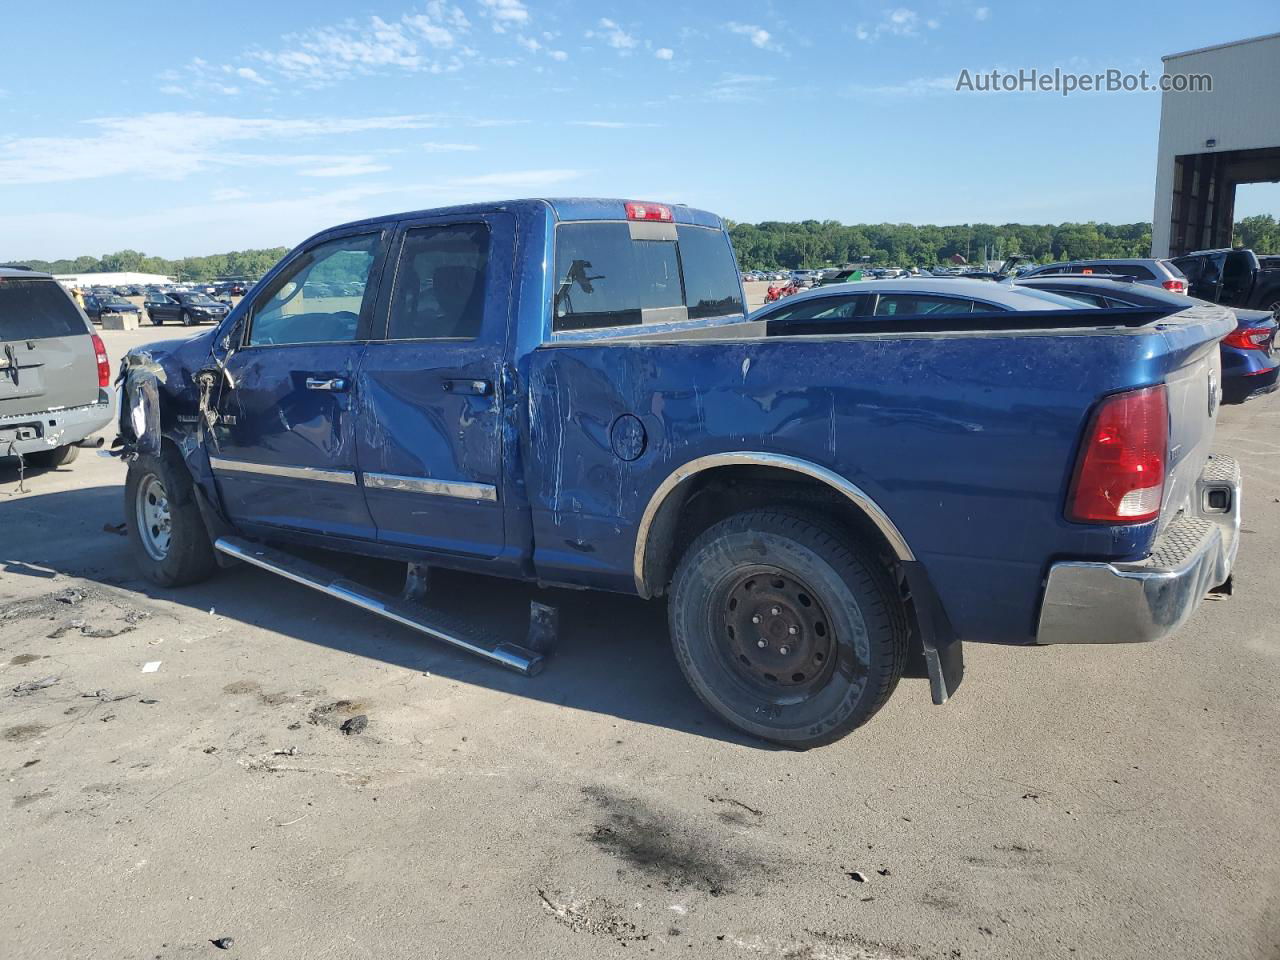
x: 438, y: 624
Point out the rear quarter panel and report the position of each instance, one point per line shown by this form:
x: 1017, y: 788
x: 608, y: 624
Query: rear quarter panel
x: 967, y: 442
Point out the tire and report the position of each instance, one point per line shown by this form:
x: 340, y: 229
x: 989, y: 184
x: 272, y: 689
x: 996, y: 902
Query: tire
x: 155, y: 319
x: 158, y: 500
x: 187, y: 320
x: 52, y: 459
x: 833, y: 627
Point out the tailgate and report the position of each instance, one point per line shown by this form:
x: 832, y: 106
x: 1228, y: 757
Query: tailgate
x: 1194, y: 382
x: 47, y: 358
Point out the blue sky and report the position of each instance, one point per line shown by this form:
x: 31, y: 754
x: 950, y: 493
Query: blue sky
x: 189, y: 128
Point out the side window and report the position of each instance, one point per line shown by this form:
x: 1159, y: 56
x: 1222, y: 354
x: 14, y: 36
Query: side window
x: 823, y: 308
x: 914, y: 305
x: 439, y: 289
x: 710, y: 274
x: 1189, y: 266
x: 605, y: 279
x: 318, y: 298
x: 1134, y: 270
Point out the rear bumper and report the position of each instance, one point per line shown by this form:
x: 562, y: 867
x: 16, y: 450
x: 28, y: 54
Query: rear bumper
x: 33, y: 432
x: 1100, y: 602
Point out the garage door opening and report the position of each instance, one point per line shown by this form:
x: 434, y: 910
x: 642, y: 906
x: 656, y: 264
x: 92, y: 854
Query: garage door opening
x: 1204, y: 194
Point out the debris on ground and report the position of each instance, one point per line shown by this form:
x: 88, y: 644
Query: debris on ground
x: 71, y: 597
x: 223, y: 943
x: 856, y: 877
x: 148, y: 700
x: 28, y: 687
x: 286, y: 752
x: 151, y: 666
x: 119, y: 529
x: 96, y: 633
x: 106, y: 696
x: 354, y: 725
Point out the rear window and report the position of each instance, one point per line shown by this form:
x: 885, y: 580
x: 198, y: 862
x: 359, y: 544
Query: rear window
x: 36, y: 309
x: 605, y: 278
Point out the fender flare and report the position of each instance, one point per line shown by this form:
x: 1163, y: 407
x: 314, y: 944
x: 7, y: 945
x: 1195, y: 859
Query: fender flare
x: 897, y: 542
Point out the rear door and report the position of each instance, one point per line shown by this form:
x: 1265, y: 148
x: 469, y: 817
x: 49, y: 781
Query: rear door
x: 431, y: 387
x: 47, y: 357
x: 284, y: 447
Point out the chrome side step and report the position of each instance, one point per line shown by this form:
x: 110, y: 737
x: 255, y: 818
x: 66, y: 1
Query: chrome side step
x: 438, y: 624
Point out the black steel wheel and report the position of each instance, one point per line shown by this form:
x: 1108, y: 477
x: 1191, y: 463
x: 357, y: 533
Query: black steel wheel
x: 787, y: 628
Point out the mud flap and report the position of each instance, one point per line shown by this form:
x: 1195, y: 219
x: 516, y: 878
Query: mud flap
x: 943, y: 651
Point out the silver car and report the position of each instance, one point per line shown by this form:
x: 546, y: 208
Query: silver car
x: 54, y: 372
x: 1153, y: 273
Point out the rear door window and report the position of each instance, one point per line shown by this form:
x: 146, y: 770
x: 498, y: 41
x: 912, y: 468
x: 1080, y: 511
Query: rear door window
x: 32, y: 309
x: 439, y: 287
x: 823, y: 308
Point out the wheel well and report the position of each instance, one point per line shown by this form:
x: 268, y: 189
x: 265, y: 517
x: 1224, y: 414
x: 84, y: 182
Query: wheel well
x: 714, y: 494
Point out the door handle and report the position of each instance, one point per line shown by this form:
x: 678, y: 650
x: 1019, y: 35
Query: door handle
x: 474, y: 388
x: 334, y: 385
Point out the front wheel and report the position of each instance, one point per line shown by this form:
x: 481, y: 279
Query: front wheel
x: 786, y: 628
x: 155, y: 318
x: 187, y: 319
x: 166, y: 530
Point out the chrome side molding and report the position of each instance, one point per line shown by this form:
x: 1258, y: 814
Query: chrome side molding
x: 441, y: 488
x: 278, y: 470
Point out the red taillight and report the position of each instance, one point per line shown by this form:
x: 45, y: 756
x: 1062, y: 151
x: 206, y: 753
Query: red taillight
x: 104, y: 365
x: 1120, y: 472
x: 1248, y: 339
x: 648, y: 211
x: 1175, y: 286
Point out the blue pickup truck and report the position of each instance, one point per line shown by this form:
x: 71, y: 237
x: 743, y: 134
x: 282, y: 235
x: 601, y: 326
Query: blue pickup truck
x: 571, y: 392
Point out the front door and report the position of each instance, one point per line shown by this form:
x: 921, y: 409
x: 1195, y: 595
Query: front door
x: 284, y: 449
x: 430, y: 437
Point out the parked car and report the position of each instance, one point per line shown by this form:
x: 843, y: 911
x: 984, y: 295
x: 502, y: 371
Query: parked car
x: 1149, y: 272
x: 54, y: 372
x: 95, y: 306
x: 1250, y: 362
x: 1234, y: 278
x: 568, y: 392
x: 185, y: 308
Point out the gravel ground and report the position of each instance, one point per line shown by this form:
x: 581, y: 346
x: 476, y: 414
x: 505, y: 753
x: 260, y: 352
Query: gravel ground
x: 1106, y: 802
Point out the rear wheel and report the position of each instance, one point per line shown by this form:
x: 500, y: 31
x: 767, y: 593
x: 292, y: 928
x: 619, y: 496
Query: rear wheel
x: 786, y: 628
x: 52, y: 459
x: 155, y: 319
x: 187, y: 319
x: 168, y: 535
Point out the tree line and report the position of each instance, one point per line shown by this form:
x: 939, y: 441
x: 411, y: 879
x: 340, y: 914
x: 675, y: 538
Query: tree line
x: 238, y: 263
x: 811, y: 243
x: 807, y: 243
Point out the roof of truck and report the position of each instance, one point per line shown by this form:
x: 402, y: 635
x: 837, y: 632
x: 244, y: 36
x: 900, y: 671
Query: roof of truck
x: 564, y: 208
x: 23, y: 272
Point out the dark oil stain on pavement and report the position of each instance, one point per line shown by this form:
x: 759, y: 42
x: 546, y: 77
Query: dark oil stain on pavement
x: 23, y: 732
x: 673, y: 853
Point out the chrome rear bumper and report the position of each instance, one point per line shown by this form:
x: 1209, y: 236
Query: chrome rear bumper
x: 1100, y: 602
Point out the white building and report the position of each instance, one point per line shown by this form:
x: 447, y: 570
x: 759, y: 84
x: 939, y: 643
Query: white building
x: 124, y: 279
x: 1210, y: 142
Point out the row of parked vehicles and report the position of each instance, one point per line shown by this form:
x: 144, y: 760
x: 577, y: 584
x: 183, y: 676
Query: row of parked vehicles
x: 571, y: 392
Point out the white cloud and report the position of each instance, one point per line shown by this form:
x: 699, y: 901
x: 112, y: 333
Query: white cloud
x: 505, y: 13
x: 432, y: 147
x: 915, y: 87
x: 172, y: 146
x: 739, y: 87
x: 982, y: 13
x: 250, y: 74
x: 897, y: 22
x: 352, y: 167
x: 426, y: 42
x: 613, y: 35
x: 759, y: 36
x: 664, y: 53
x: 228, y: 194
x: 559, y: 55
